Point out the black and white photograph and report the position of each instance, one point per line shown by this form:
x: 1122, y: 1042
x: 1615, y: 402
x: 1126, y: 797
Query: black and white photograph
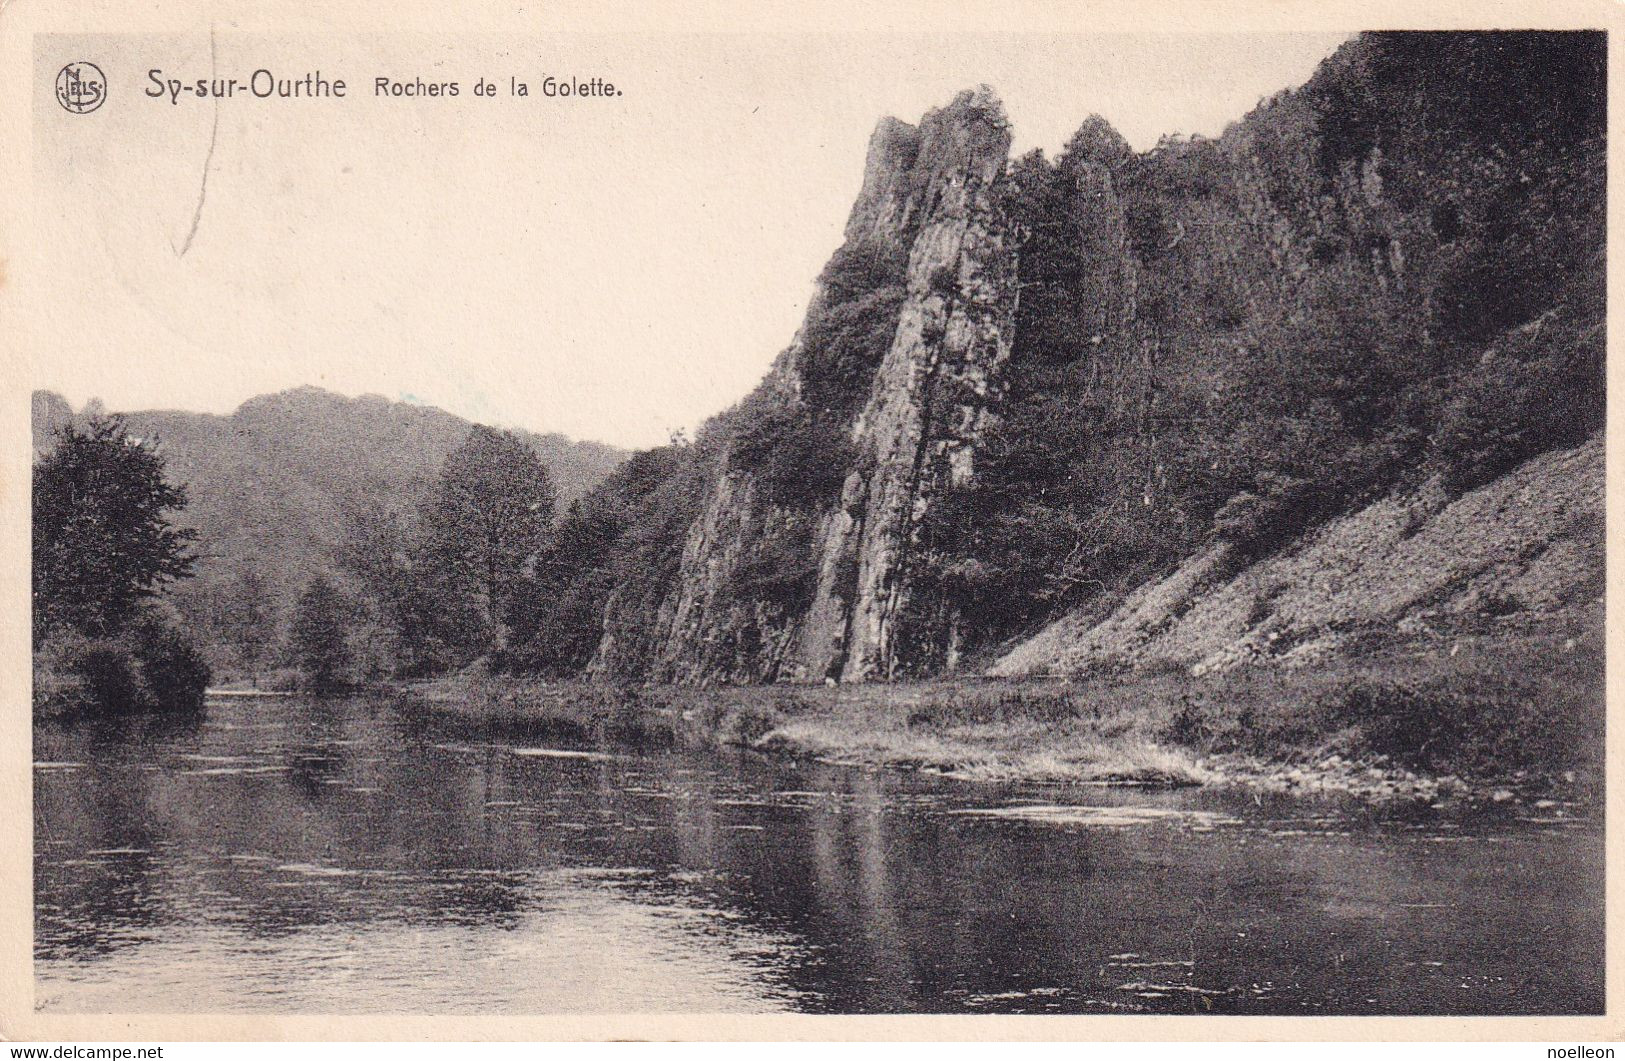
x: 997, y: 523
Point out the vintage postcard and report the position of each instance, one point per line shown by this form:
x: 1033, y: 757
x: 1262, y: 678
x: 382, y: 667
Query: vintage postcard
x: 1080, y: 522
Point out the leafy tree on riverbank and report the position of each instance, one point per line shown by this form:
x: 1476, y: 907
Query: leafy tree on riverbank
x: 487, y: 518
x: 319, y: 636
x: 102, y: 538
x: 423, y: 624
x: 104, y: 550
x: 251, y: 621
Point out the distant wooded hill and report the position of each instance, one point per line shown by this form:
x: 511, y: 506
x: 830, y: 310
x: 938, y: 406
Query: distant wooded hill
x: 273, y: 486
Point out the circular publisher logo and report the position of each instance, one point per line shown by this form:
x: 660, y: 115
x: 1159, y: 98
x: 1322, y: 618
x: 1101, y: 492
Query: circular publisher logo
x: 81, y: 87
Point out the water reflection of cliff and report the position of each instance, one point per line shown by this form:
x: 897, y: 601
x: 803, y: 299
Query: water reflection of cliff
x: 820, y: 887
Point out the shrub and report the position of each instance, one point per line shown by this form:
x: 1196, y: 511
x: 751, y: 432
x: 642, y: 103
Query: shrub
x: 857, y: 269
x: 800, y: 460
x: 1189, y: 725
x: 842, y: 345
x: 850, y: 328
x: 1471, y: 724
x: 1536, y: 392
x: 746, y: 724
x: 151, y: 667
x: 111, y: 685
x: 173, y: 670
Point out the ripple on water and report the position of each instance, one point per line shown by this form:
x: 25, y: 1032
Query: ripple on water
x: 563, y: 753
x: 1152, y: 989
x: 1044, y: 998
x: 1099, y: 817
x: 310, y: 869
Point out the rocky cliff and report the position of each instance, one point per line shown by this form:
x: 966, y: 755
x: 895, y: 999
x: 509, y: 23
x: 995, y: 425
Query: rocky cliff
x: 1084, y: 405
x: 928, y: 203
x: 931, y: 397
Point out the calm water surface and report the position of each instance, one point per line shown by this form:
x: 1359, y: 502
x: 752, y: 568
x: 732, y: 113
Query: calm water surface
x: 291, y: 855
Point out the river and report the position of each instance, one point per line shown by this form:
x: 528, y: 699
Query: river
x: 291, y: 855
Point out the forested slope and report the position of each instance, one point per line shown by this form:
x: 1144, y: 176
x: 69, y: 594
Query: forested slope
x: 279, y: 489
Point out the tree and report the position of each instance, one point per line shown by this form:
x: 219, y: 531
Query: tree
x: 319, y: 636
x: 250, y: 619
x: 102, y: 539
x: 387, y: 554
x: 555, y: 618
x: 488, y: 516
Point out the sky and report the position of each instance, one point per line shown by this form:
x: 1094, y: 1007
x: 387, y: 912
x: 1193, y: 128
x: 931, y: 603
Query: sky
x: 610, y: 268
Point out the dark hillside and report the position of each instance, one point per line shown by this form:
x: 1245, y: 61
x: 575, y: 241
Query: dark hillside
x: 275, y: 486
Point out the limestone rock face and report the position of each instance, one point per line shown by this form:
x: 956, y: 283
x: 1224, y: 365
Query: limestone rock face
x: 712, y: 635
x: 932, y: 395
x: 1032, y: 398
x: 885, y: 206
x: 929, y: 193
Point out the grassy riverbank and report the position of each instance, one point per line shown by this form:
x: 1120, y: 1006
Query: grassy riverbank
x: 1494, y: 716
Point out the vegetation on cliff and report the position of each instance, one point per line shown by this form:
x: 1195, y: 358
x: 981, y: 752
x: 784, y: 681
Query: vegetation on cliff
x: 623, y: 537
x: 1388, y: 278
x: 1392, y: 273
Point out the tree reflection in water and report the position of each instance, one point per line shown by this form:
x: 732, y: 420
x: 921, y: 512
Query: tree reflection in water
x: 335, y: 856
